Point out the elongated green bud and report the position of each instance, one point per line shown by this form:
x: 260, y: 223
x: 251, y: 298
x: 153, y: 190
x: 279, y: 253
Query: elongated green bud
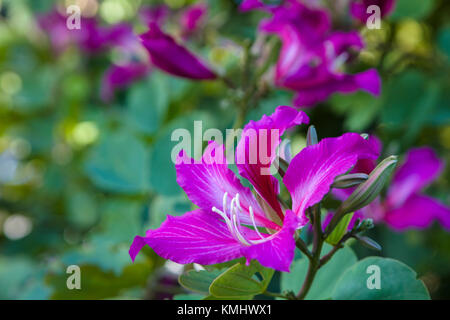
x: 349, y: 180
x: 368, y: 243
x: 311, y: 136
x: 340, y: 230
x: 367, y: 191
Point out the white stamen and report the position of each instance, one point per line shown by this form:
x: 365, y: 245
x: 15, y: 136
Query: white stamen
x: 233, y: 220
x: 252, y: 217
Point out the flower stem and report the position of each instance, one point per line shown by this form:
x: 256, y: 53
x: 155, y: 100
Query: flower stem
x: 314, y: 261
x: 276, y: 295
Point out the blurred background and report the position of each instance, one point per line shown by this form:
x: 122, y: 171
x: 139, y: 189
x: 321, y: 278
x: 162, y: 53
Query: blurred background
x: 81, y: 174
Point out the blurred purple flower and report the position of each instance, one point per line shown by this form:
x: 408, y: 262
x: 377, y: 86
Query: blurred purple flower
x: 153, y: 14
x: 192, y: 18
x: 119, y: 77
x: 405, y: 206
x: 168, y: 55
x: 91, y: 38
x: 312, y: 56
x: 358, y: 8
x: 218, y: 231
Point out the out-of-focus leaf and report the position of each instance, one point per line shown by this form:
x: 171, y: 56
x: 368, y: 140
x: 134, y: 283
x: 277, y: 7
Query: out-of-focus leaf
x: 120, y: 163
x: 37, y: 89
x: 21, y: 278
x: 162, y: 168
x: 397, y: 282
x: 162, y: 206
x: 99, y: 284
x: 414, y: 9
x: 147, y: 103
x: 360, y: 109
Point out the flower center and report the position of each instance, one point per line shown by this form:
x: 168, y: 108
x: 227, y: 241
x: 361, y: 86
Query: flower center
x: 232, y: 219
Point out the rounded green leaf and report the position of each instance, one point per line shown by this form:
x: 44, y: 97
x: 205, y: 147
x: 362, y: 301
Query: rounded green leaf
x: 198, y: 281
x: 240, y: 280
x: 396, y: 282
x: 326, y: 277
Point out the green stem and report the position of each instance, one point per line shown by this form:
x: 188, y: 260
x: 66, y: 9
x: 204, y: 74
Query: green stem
x: 275, y: 295
x: 314, y: 262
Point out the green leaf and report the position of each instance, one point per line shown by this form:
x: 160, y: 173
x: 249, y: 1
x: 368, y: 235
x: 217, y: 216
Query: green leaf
x: 241, y: 280
x: 162, y: 168
x: 119, y: 164
x: 99, y: 284
x: 326, y: 277
x: 198, y: 281
x: 415, y: 9
x: 161, y: 206
x: 147, y: 103
x: 444, y: 40
x: 188, y: 297
x: 397, y: 282
x: 360, y: 109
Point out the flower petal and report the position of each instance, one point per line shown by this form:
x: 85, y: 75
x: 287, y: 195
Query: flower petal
x: 173, y: 58
x: 278, y: 252
x: 118, y: 77
x: 205, y: 183
x: 420, y: 168
x: 313, y: 170
x: 328, y: 84
x: 418, y: 211
x: 257, y: 149
x: 195, y: 237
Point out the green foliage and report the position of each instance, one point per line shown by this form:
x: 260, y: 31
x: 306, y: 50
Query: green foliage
x: 326, y: 277
x: 241, y: 281
x: 398, y: 282
x: 90, y: 175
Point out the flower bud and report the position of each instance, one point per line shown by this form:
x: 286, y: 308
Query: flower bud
x: 338, y: 232
x: 311, y: 136
x: 369, y: 243
x: 367, y: 191
x: 349, y: 180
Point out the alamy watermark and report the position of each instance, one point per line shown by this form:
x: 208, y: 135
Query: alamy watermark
x: 374, y: 280
x: 374, y: 20
x: 73, y: 21
x: 74, y: 280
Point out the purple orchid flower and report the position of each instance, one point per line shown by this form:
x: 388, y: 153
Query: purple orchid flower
x: 358, y: 8
x: 231, y: 221
x: 173, y: 58
x: 404, y: 206
x: 311, y: 56
x: 121, y: 76
x: 192, y: 18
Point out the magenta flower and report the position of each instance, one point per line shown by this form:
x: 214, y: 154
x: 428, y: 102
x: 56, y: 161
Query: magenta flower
x: 173, y: 58
x: 119, y: 77
x: 91, y: 38
x: 311, y: 56
x: 404, y: 206
x: 231, y: 221
x: 192, y: 18
x: 153, y: 14
x: 358, y: 8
